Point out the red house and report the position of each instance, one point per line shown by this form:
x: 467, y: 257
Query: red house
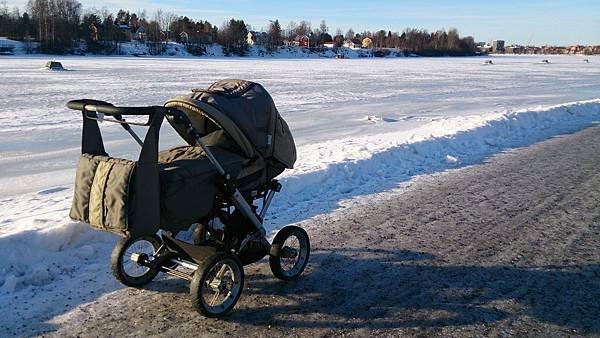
x: 302, y: 41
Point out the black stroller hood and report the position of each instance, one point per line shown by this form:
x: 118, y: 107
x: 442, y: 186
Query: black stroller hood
x: 246, y: 112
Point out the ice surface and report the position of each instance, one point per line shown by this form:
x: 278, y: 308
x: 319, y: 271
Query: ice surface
x: 322, y: 99
x: 362, y: 127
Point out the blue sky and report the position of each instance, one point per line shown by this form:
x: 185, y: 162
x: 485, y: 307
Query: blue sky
x: 539, y: 22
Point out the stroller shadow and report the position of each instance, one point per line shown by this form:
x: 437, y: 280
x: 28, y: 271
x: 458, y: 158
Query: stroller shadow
x: 379, y: 289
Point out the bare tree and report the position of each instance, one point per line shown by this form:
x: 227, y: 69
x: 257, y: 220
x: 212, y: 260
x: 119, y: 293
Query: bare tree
x: 323, y: 29
x: 57, y: 23
x: 164, y: 20
x: 350, y: 34
x: 303, y: 28
x: 291, y: 30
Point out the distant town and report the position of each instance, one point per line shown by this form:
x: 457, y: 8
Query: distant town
x: 500, y: 47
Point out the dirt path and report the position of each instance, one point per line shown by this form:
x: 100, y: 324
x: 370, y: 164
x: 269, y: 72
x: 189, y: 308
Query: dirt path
x: 509, y: 247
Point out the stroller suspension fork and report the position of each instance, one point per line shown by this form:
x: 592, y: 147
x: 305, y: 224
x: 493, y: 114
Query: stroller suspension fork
x: 267, y: 203
x: 245, y: 208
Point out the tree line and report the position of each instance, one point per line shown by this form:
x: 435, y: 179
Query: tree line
x: 59, y: 26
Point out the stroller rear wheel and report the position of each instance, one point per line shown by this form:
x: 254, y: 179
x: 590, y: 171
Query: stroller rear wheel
x: 128, y: 271
x: 217, y: 285
x: 289, y: 253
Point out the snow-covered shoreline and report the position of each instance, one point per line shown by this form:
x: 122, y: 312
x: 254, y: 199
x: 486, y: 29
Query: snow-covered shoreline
x: 214, y: 51
x: 178, y: 50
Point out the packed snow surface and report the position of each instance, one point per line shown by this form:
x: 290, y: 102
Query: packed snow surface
x: 362, y: 126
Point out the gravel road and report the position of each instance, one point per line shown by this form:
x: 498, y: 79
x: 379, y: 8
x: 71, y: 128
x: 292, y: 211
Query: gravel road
x: 506, y: 247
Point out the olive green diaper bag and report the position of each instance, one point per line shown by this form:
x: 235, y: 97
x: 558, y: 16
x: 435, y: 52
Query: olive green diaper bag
x: 101, y: 196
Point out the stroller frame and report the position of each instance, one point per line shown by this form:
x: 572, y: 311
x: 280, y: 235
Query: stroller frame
x: 169, y: 253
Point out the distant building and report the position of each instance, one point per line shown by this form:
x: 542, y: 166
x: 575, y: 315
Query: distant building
x: 352, y: 44
x: 577, y: 49
x: 257, y: 38
x: 515, y: 49
x: 329, y: 44
x: 554, y: 50
x: 497, y: 46
x: 140, y: 34
x: 483, y: 47
x: 533, y: 50
x: 302, y: 41
x: 125, y: 31
x: 184, y: 37
x: 589, y: 50
x: 93, y: 33
x: 367, y: 43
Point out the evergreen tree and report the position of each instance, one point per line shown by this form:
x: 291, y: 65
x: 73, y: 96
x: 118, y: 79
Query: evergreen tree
x: 275, y: 36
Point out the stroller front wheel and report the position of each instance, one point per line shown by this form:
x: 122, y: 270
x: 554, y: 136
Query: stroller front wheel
x: 289, y: 253
x: 217, y: 285
x: 128, y: 271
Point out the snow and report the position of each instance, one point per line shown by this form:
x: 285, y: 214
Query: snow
x: 362, y: 127
x: 18, y: 47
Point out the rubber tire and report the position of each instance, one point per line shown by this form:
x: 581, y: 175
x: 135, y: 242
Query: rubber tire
x: 116, y: 260
x: 199, y: 278
x: 275, y: 261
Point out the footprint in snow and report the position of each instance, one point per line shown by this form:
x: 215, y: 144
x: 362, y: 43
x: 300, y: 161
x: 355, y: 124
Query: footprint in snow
x: 51, y: 190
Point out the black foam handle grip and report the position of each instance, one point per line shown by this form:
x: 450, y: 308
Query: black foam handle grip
x: 108, y: 109
x: 79, y: 104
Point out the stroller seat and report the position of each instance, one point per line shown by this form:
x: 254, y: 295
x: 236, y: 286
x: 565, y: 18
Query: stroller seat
x: 189, y: 183
x: 183, y: 162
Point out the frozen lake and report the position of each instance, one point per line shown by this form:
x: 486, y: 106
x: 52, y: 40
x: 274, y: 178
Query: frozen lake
x: 430, y: 115
x: 322, y: 99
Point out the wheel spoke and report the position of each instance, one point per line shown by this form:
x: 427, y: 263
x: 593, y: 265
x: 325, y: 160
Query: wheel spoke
x: 133, y: 269
x: 214, y: 299
x: 222, y: 271
x: 289, y: 264
x: 293, y: 257
x: 221, y: 286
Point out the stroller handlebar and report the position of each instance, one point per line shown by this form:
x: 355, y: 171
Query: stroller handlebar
x: 109, y: 109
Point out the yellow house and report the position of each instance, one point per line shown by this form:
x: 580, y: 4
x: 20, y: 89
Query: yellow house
x: 367, y: 43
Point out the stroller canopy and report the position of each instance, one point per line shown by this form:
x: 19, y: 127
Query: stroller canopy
x: 246, y: 112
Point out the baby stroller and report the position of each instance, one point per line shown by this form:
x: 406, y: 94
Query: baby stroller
x: 237, y: 144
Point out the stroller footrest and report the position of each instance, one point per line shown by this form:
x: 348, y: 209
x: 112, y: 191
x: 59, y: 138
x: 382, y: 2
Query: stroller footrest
x: 195, y: 253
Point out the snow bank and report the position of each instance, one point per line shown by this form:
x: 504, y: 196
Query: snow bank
x: 44, y: 254
x: 16, y: 46
x: 39, y: 244
x: 330, y: 172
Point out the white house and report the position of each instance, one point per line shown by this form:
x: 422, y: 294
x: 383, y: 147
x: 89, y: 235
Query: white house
x: 184, y: 37
x: 257, y: 38
x: 140, y: 34
x: 352, y: 44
